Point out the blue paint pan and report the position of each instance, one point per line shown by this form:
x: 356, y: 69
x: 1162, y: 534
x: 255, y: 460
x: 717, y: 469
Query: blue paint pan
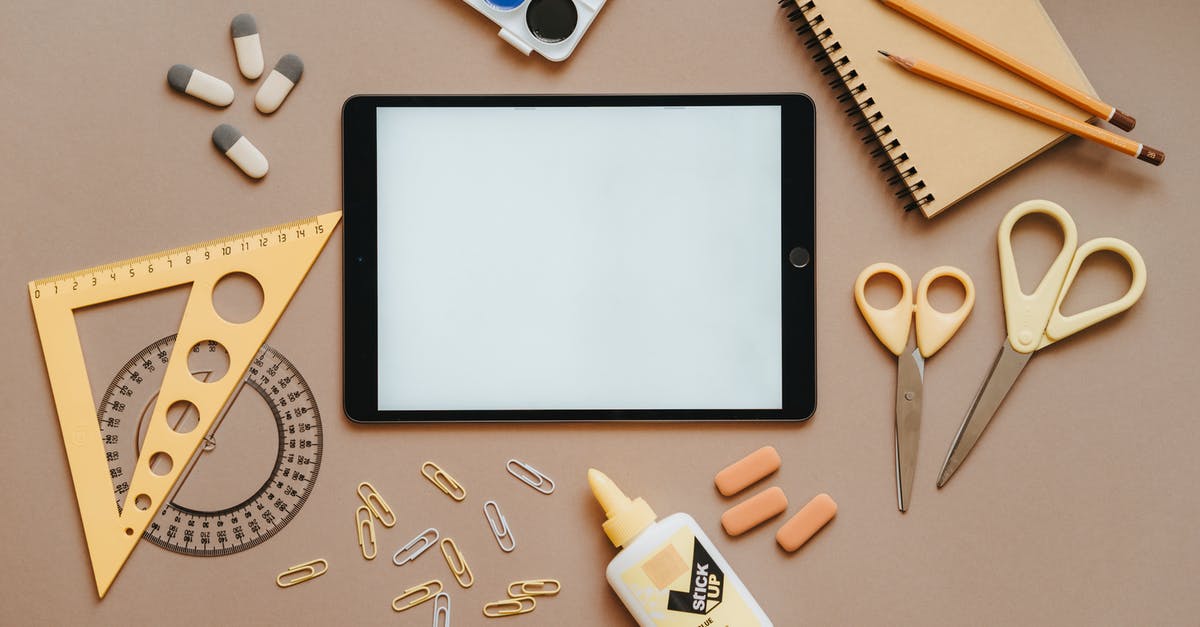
x: 505, y: 5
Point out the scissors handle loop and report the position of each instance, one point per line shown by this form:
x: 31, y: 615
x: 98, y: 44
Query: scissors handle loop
x: 935, y: 328
x: 891, y: 326
x: 1026, y: 315
x: 1061, y: 326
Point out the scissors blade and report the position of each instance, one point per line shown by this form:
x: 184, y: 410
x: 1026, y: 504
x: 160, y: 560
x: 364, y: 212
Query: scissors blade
x: 910, y: 376
x: 1005, y: 370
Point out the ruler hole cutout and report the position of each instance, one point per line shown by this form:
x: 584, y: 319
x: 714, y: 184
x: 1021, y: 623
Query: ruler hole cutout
x: 161, y: 464
x: 142, y: 502
x: 208, y: 361
x: 237, y: 297
x: 182, y: 417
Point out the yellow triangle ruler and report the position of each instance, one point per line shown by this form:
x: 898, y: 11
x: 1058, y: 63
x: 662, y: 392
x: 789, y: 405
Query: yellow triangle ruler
x: 277, y: 257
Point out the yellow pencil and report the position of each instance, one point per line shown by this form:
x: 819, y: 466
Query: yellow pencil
x: 1028, y: 109
x: 989, y: 51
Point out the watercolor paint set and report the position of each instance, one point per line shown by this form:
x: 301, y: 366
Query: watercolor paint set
x: 551, y: 27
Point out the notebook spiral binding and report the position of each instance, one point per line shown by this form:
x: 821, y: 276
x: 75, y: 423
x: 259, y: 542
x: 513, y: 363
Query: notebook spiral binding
x: 910, y: 188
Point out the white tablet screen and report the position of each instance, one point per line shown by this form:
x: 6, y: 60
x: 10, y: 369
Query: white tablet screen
x: 579, y: 258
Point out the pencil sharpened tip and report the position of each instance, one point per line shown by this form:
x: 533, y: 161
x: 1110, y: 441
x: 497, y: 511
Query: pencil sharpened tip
x: 884, y: 53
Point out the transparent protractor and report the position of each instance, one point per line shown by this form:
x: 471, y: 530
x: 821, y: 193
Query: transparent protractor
x: 257, y: 464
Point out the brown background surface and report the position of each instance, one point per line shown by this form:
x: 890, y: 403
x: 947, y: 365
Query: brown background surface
x: 1079, y: 506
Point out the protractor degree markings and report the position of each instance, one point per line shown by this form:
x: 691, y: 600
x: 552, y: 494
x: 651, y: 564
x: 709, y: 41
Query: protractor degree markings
x: 266, y: 510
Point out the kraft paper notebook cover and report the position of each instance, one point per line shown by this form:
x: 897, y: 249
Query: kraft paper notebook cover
x: 937, y: 145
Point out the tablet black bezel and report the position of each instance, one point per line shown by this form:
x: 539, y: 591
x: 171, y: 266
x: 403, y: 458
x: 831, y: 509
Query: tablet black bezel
x: 360, y: 323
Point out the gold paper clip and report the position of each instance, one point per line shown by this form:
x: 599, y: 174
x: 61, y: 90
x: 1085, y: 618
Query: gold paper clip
x: 534, y: 588
x: 415, y: 547
x: 443, y: 481
x: 530, y: 476
x: 441, y: 610
x: 372, y: 499
x: 457, y: 563
x: 427, y: 591
x: 366, y: 532
x: 303, y: 572
x: 499, y: 526
x: 510, y: 607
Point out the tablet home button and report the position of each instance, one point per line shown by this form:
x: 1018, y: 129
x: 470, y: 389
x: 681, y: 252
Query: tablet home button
x: 799, y: 257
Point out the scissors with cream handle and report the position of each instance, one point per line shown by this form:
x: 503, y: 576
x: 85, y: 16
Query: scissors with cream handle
x: 1035, y: 320
x: 893, y: 328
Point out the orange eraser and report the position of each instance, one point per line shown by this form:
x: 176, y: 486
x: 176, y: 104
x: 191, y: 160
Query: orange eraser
x: 809, y: 520
x: 754, y: 511
x: 744, y: 472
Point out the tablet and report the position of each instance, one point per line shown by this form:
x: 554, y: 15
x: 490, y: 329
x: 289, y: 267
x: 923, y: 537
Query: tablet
x: 579, y: 258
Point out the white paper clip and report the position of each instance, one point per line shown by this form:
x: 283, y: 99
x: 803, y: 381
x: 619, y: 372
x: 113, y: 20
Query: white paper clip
x: 530, y: 476
x: 416, y: 547
x: 441, y: 610
x: 499, y: 526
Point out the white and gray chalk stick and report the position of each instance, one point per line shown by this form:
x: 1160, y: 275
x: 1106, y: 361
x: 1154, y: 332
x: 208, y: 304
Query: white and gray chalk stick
x: 234, y: 145
x: 188, y: 80
x: 279, y: 83
x: 247, y: 45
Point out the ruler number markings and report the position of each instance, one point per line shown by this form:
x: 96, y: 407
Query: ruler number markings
x: 135, y: 268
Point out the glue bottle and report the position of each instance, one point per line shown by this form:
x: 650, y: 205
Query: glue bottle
x: 669, y: 573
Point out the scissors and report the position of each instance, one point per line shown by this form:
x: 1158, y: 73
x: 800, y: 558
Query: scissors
x: 1035, y: 320
x: 892, y: 327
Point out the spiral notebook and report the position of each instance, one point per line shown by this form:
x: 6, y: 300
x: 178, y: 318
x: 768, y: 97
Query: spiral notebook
x: 938, y: 146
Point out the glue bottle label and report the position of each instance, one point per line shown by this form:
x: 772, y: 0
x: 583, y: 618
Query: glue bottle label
x: 681, y: 585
